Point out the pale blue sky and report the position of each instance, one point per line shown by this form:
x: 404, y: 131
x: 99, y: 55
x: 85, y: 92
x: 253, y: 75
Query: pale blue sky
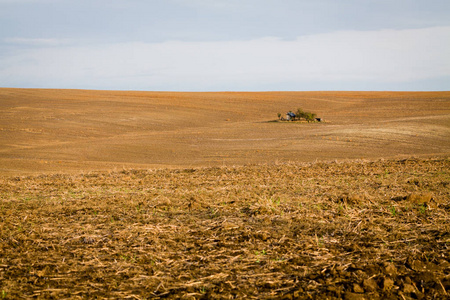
x: 231, y: 45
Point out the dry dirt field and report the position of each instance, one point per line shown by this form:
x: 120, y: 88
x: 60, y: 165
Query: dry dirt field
x: 352, y: 230
x: 76, y: 130
x: 152, y: 195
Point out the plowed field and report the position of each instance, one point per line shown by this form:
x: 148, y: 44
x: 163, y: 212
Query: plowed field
x: 75, y: 130
x: 354, y: 230
x: 153, y: 195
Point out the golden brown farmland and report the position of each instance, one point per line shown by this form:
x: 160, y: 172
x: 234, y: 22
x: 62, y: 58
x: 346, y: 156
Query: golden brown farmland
x: 353, y: 230
x: 158, y: 195
x: 76, y: 130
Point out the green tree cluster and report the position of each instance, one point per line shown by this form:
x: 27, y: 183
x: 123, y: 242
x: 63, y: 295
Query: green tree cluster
x: 308, y: 116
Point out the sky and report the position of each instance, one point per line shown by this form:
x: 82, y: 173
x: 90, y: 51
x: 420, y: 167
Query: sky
x: 226, y: 45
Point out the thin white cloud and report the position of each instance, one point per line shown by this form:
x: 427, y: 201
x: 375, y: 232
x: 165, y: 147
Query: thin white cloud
x: 216, y: 4
x: 37, y: 42
x: 27, y: 1
x: 371, y: 57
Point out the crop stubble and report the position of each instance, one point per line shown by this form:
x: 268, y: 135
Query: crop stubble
x: 362, y: 229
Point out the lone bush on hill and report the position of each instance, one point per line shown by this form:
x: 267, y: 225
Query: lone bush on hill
x: 308, y: 116
x: 300, y: 114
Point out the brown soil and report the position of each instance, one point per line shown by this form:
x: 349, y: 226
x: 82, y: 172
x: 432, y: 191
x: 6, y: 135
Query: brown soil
x: 75, y: 130
x: 353, y: 230
x: 151, y: 195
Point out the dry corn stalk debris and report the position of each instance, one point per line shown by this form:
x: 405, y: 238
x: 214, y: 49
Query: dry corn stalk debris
x: 356, y: 229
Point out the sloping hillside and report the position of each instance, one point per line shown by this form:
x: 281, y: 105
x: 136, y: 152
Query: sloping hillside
x: 76, y: 130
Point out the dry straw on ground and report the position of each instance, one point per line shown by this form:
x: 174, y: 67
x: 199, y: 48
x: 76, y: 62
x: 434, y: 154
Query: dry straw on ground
x: 354, y: 230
